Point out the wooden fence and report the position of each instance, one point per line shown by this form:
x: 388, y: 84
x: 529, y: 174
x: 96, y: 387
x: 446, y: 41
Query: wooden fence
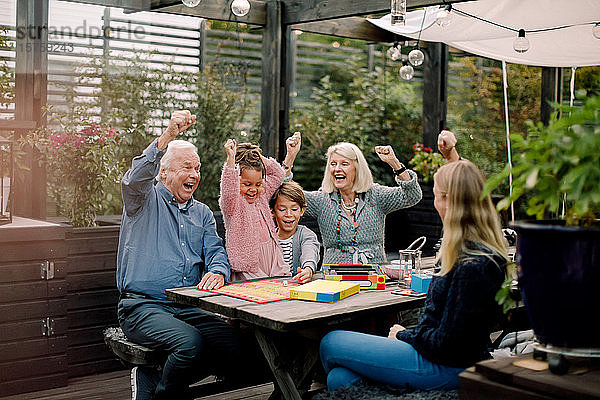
x: 188, y: 42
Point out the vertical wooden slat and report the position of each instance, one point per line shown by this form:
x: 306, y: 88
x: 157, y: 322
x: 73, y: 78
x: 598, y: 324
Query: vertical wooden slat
x: 31, y: 85
x: 551, y: 91
x: 435, y: 92
x: 292, y: 54
x: 287, y: 71
x: 202, y: 45
x: 371, y: 57
x: 271, y: 79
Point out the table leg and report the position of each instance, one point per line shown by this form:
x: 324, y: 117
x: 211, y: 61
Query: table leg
x: 290, y: 361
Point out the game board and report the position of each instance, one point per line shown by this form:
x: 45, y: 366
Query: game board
x: 261, y: 291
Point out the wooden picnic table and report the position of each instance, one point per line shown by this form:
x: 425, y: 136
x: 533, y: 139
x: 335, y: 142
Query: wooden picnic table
x: 289, y: 331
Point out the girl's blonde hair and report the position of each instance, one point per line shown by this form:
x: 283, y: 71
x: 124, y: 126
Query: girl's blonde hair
x: 469, y: 216
x: 248, y: 156
x: 364, y: 178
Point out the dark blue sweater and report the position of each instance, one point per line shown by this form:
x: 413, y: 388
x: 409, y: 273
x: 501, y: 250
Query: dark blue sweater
x: 460, y: 312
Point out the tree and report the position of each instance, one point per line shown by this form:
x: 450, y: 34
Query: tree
x: 367, y: 108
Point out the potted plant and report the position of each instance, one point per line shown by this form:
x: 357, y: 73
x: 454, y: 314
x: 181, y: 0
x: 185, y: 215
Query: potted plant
x: 80, y: 158
x: 426, y: 162
x: 558, y: 167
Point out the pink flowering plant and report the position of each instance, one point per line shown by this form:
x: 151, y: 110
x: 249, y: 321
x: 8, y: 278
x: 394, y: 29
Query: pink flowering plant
x: 81, y: 163
x: 426, y: 162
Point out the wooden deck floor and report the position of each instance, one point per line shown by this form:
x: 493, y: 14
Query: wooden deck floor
x: 115, y: 386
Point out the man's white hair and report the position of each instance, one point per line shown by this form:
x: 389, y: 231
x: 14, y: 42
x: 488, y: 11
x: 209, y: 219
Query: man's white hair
x: 172, y: 149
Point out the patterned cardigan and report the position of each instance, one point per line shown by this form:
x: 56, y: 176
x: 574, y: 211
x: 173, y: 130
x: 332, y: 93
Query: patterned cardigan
x: 373, y: 205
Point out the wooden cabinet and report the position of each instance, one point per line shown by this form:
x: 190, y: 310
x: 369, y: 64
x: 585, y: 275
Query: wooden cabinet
x: 33, y: 306
x: 92, y: 298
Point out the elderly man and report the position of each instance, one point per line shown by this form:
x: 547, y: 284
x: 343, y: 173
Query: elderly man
x: 168, y: 240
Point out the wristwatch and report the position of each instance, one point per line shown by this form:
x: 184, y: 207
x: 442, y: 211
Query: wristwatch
x: 400, y: 170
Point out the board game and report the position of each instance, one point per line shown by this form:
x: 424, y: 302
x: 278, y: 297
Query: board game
x: 352, y: 269
x: 324, y: 290
x: 260, y: 291
x: 366, y: 281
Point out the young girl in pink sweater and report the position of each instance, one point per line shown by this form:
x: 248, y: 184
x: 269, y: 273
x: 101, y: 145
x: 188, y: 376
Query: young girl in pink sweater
x: 247, y: 183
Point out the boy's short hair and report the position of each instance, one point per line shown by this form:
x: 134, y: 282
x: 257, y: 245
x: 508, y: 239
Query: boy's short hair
x: 292, y: 190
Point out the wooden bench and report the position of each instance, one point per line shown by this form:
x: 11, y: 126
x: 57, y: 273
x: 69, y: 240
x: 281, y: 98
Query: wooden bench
x: 132, y: 354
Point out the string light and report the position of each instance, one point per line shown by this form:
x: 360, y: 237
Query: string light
x: 596, y: 30
x: 240, y: 8
x: 394, y: 53
x: 416, y: 56
x: 407, y: 72
x: 521, y: 43
x: 444, y: 16
x: 191, y: 3
x: 398, y: 11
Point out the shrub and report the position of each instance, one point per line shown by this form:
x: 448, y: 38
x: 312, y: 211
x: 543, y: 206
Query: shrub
x: 367, y: 108
x: 80, y: 163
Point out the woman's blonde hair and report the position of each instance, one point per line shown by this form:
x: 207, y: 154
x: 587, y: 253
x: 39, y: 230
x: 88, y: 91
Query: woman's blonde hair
x: 364, y: 178
x: 469, y: 216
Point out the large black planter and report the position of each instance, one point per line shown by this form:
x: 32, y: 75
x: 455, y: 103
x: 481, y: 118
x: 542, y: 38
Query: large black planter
x: 560, y: 281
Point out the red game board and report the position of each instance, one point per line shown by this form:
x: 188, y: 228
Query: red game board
x: 261, y: 291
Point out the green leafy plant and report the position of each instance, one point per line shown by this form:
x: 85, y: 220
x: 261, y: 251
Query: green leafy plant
x: 426, y: 162
x: 137, y: 98
x: 556, y: 162
x: 220, y: 112
x: 508, y: 295
x: 476, y: 112
x: 80, y: 162
x: 7, y: 92
x: 353, y: 104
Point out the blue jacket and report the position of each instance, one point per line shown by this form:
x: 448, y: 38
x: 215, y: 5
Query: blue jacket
x: 460, y: 312
x: 163, y: 245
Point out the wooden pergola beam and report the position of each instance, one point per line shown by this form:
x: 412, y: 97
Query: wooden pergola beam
x: 297, y: 12
x: 216, y: 10
x: 351, y: 27
x: 133, y: 5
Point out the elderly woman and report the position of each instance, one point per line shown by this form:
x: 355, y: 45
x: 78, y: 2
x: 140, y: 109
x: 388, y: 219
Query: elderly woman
x: 350, y: 208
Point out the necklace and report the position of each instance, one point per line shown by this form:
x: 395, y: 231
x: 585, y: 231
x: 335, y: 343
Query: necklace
x: 338, y: 230
x: 348, y: 208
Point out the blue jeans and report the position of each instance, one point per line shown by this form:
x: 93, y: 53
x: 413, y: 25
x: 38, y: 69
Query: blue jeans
x: 349, y: 357
x: 198, y: 343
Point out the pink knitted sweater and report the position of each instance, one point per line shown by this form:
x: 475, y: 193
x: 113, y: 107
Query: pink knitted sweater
x: 242, y: 219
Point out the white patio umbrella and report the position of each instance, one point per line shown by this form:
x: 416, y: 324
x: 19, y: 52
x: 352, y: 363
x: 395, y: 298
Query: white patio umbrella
x: 561, y: 33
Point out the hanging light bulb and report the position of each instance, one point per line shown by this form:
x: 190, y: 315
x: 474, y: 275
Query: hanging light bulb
x: 191, y: 3
x: 444, y: 16
x: 240, y: 7
x: 398, y: 11
x: 596, y: 30
x: 394, y: 52
x: 407, y: 72
x: 416, y: 56
x: 521, y: 43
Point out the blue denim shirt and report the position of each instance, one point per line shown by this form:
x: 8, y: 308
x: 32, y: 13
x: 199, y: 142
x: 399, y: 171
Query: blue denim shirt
x: 161, y: 245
